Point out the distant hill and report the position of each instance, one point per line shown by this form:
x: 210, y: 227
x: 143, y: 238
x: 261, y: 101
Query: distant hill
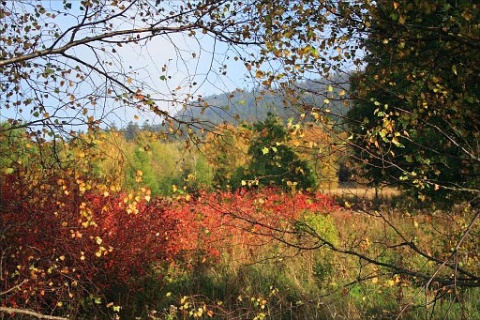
x: 252, y: 106
x: 237, y: 106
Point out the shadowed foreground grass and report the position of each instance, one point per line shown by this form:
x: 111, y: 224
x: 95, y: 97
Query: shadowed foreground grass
x: 275, y: 281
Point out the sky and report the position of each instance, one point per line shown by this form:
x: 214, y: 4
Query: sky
x: 168, y: 67
x: 188, y: 66
x: 192, y: 68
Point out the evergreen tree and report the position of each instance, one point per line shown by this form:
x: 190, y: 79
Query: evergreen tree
x: 131, y: 131
x: 273, y: 161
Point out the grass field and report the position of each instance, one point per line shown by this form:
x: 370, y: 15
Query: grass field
x: 275, y: 280
x: 359, y: 192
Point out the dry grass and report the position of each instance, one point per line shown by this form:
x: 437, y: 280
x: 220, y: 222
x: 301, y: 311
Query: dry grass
x: 360, y: 192
x: 272, y: 280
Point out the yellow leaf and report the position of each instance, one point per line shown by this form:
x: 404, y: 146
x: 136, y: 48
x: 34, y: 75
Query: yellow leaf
x: 8, y: 170
x: 454, y: 69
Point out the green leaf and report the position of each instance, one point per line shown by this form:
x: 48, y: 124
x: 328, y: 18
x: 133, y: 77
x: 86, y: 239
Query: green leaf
x: 265, y: 150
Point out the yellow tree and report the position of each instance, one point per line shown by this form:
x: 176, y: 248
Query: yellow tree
x: 319, y: 148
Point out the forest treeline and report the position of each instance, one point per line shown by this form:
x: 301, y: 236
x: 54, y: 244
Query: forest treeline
x: 246, y: 130
x: 272, y: 152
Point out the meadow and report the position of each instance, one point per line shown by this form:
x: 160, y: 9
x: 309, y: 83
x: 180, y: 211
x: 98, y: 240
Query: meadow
x: 250, y: 254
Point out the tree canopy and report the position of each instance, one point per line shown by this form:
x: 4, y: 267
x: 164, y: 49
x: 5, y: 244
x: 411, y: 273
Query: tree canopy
x: 416, y: 111
x: 70, y: 65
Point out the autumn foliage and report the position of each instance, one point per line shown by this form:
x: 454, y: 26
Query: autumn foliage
x: 65, y: 246
x: 60, y: 244
x: 226, y: 221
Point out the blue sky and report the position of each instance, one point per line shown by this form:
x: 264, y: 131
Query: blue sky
x: 167, y: 67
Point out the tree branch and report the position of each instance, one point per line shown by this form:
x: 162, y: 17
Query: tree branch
x: 30, y: 313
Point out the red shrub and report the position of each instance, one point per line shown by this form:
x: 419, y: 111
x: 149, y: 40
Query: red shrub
x: 213, y: 222
x: 58, y: 244
x: 61, y: 241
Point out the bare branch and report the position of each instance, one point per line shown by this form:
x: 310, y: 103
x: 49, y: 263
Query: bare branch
x: 29, y: 313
